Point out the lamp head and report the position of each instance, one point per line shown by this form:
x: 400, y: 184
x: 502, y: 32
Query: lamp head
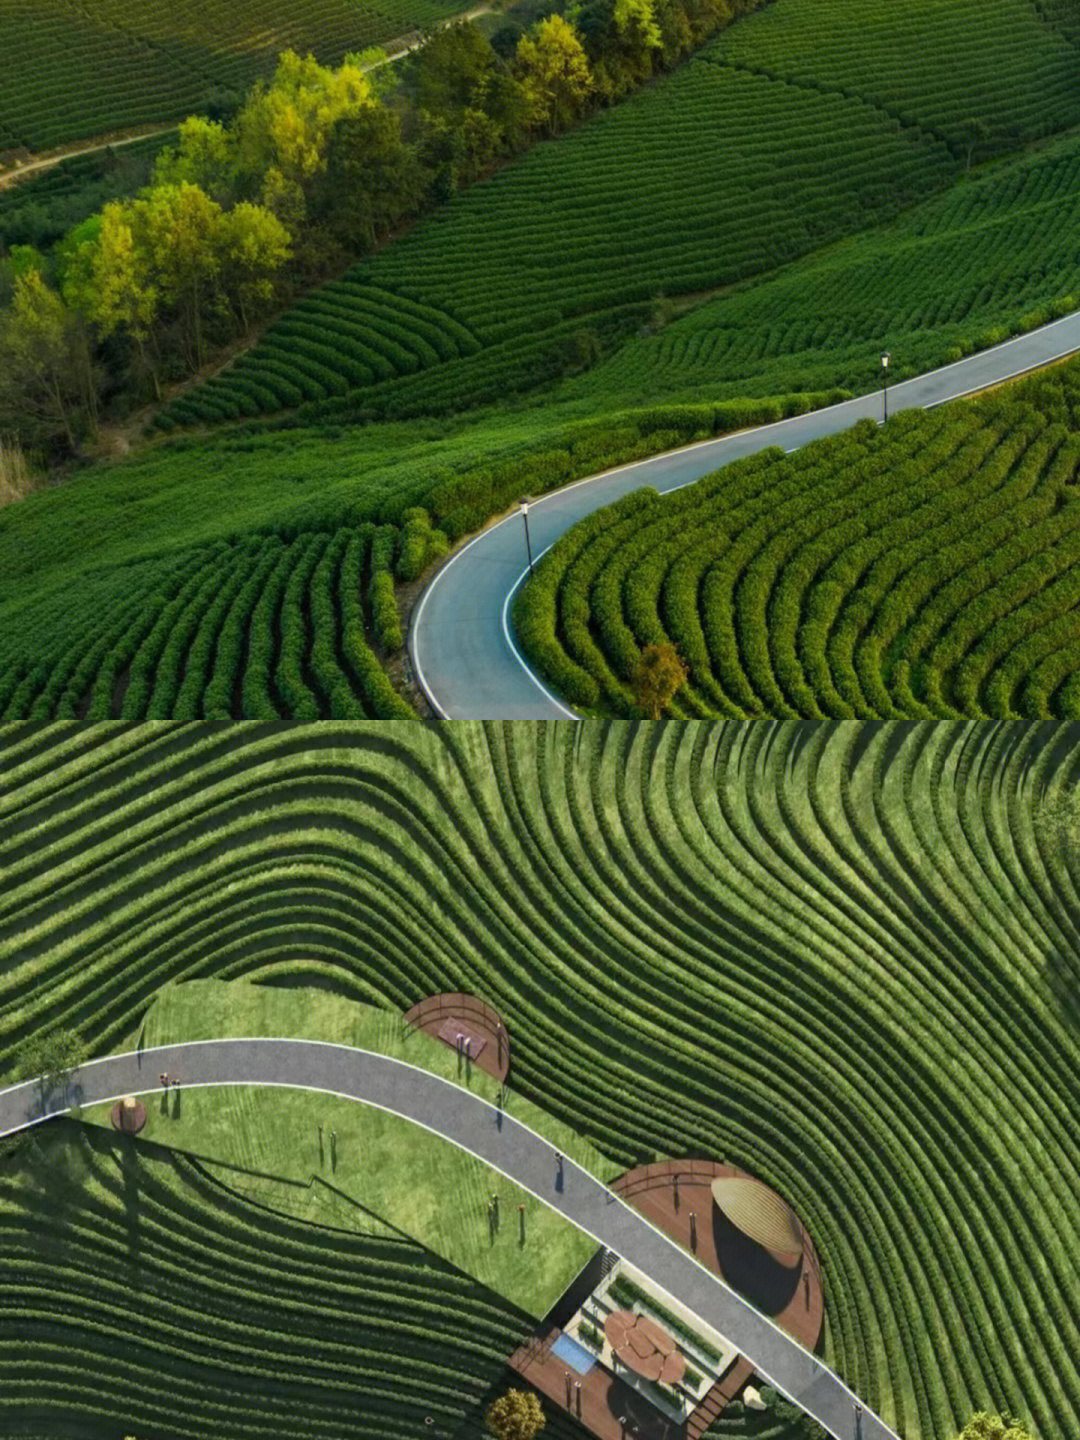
x: 524, y: 507
x: 884, y: 359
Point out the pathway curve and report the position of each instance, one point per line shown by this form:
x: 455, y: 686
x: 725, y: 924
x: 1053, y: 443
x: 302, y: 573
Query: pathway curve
x: 508, y: 1146
x: 462, y: 650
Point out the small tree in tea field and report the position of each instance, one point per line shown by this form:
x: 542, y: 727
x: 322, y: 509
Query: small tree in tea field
x: 657, y: 676
x: 985, y: 1426
x: 517, y: 1415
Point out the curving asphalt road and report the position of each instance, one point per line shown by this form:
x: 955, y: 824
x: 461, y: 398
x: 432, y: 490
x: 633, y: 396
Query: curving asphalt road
x: 460, y: 642
x: 508, y: 1146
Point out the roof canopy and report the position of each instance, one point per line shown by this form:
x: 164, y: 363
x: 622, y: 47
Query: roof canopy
x: 760, y: 1213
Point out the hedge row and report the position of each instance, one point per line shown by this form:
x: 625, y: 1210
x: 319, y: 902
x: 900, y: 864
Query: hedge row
x: 930, y: 568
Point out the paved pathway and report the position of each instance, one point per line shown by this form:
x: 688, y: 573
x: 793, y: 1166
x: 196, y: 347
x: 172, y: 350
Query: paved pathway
x: 514, y: 1150
x: 461, y: 648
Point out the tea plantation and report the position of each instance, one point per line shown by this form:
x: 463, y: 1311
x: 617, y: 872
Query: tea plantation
x: 840, y: 956
x: 797, y: 126
x: 930, y: 567
x: 73, y: 70
x: 259, y: 627
x: 995, y: 254
x: 138, y: 1293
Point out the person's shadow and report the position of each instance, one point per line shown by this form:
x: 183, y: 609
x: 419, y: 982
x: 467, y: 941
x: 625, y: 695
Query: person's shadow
x: 176, y: 1102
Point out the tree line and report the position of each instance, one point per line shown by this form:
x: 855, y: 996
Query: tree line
x: 316, y: 167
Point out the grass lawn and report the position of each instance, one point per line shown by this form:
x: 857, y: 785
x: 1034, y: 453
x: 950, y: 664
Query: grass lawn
x: 265, y: 1143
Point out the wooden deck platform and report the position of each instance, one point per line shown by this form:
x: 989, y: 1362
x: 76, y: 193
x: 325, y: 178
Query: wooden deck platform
x: 676, y: 1196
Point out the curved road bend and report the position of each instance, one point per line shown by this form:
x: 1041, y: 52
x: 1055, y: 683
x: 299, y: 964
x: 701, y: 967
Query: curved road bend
x: 509, y: 1147
x: 461, y: 652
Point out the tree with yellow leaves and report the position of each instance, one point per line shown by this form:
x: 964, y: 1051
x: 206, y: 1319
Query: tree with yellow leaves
x: 554, y: 70
x: 283, y: 131
x: 516, y: 1415
x: 985, y: 1426
x: 657, y: 677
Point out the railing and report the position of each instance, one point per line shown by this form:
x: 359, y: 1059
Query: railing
x: 434, y: 1007
x: 458, y: 1004
x: 650, y: 1177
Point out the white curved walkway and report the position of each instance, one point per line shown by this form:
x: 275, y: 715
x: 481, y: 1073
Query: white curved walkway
x: 501, y: 1142
x: 460, y: 641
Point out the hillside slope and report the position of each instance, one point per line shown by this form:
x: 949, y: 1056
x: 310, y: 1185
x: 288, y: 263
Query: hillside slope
x: 842, y: 957
x: 804, y: 122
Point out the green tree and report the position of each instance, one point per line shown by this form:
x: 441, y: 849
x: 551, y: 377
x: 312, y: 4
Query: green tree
x: 477, y: 143
x: 985, y: 1426
x: 49, y: 1054
x: 176, y: 227
x: 506, y: 100
x: 253, y: 247
x: 676, y: 39
x: 637, y: 37
x: 107, y: 279
x: 203, y: 156
x: 517, y: 1415
x: 657, y: 677
x: 47, y: 379
x: 451, y: 71
x: 554, y: 70
x: 373, y: 179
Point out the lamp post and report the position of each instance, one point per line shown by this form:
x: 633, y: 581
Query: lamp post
x: 528, y: 542
x: 885, y: 385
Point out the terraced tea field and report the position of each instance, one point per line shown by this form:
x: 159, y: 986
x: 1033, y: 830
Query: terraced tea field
x: 686, y: 928
x: 346, y: 334
x: 994, y: 254
x: 727, y: 169
x: 261, y: 627
x: 1013, y: 76
x: 74, y: 70
x: 928, y: 568
x: 137, y: 1293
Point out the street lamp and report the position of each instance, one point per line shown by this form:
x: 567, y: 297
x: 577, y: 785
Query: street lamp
x: 528, y: 542
x: 858, y: 1421
x: 885, y: 384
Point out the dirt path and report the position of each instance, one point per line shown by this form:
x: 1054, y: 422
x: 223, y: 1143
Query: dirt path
x: 20, y: 169
x: 113, y: 140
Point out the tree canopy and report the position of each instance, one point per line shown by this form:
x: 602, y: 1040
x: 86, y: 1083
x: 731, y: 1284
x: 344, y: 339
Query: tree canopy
x: 657, y: 677
x: 985, y: 1426
x: 517, y: 1415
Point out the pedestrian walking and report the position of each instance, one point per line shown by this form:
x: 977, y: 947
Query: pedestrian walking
x: 164, y: 1079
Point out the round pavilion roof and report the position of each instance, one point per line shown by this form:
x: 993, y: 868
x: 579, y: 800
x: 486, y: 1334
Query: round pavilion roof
x: 759, y: 1212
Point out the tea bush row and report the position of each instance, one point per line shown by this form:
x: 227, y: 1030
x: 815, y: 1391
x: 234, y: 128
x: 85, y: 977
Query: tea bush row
x: 311, y: 1328
x: 929, y: 568
x: 262, y: 627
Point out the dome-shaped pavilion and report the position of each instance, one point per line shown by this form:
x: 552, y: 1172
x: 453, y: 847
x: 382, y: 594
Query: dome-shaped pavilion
x: 759, y: 1213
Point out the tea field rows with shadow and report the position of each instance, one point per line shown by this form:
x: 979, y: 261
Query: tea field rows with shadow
x: 843, y: 957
